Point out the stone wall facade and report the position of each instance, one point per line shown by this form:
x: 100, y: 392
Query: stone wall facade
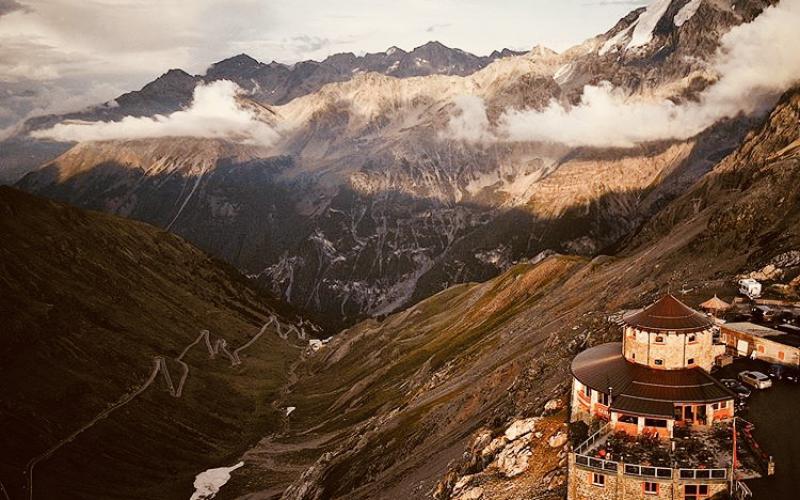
x: 669, y: 350
x: 762, y: 348
x: 619, y: 486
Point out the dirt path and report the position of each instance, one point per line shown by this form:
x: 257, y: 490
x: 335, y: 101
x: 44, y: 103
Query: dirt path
x: 160, y: 366
x: 5, y: 492
x: 119, y: 404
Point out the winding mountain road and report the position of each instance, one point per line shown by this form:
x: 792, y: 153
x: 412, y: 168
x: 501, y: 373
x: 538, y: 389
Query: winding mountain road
x: 159, y: 366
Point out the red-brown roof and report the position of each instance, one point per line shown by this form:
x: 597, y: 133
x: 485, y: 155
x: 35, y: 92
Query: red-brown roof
x: 715, y: 304
x: 642, y: 390
x: 669, y: 314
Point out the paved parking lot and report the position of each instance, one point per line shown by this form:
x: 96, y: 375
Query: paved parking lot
x: 775, y: 412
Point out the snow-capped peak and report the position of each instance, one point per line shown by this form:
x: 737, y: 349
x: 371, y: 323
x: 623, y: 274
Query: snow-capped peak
x: 643, y: 31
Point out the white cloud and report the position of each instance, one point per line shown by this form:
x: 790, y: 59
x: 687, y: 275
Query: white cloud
x: 756, y: 63
x: 215, y: 112
x: 470, y: 123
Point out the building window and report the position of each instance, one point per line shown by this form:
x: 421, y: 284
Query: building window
x: 692, y: 338
x: 715, y: 406
x: 690, y: 361
x: 587, y: 391
x: 628, y: 419
x: 633, y: 355
x: 695, y: 492
x: 658, y: 362
x: 655, y: 422
x: 602, y: 398
x: 781, y: 355
x: 659, y: 339
x: 598, y: 479
x: 761, y: 349
x: 650, y: 488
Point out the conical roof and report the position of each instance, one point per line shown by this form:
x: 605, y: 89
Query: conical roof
x: 716, y: 304
x: 669, y: 314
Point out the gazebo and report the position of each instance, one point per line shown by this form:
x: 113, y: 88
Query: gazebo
x: 715, y: 305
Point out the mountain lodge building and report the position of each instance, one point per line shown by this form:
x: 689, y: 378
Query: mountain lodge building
x: 657, y: 377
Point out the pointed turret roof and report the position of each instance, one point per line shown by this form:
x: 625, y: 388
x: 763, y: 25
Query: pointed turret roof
x: 669, y: 314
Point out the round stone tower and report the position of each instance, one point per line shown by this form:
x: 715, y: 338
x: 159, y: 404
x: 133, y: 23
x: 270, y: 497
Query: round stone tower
x: 669, y: 335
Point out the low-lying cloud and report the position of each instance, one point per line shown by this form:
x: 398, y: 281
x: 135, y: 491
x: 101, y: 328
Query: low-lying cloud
x: 214, y: 112
x: 756, y: 62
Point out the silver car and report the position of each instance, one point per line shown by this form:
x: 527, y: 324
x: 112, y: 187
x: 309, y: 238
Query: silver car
x: 755, y: 379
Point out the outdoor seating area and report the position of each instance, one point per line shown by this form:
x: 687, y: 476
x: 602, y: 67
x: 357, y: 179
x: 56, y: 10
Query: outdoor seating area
x: 701, y: 449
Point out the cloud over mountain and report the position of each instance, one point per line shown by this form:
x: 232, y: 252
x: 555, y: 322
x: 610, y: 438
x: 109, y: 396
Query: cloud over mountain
x: 756, y: 62
x: 214, y: 112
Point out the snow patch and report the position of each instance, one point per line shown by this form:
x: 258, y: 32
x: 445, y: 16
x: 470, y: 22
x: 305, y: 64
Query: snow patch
x: 564, y: 73
x: 686, y: 12
x: 615, y: 40
x: 208, y: 483
x: 643, y: 32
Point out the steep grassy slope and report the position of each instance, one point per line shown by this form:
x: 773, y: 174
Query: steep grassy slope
x: 89, y: 303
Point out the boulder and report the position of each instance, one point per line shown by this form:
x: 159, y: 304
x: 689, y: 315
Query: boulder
x: 557, y: 440
x: 462, y: 483
x: 553, y: 405
x: 494, y: 447
x: 471, y: 494
x: 513, y: 460
x: 481, y: 439
x: 520, y: 428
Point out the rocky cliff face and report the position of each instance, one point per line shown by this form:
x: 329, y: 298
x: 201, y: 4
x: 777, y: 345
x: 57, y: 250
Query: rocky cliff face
x: 366, y: 204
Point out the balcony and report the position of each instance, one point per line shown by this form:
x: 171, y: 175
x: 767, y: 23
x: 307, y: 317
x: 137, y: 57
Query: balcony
x: 692, y: 455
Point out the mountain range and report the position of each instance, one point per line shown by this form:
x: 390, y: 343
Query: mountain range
x: 365, y: 204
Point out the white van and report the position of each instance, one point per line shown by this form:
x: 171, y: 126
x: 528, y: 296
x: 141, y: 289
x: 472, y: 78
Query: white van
x: 750, y: 287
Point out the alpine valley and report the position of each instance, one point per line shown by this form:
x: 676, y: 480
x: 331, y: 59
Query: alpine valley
x: 360, y: 290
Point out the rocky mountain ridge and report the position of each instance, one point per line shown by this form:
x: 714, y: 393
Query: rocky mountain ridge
x: 385, y: 208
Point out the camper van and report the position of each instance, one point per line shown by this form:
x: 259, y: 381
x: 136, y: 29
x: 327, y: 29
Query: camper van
x: 750, y: 287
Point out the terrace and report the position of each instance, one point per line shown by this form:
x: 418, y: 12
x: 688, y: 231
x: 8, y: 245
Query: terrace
x: 690, y: 455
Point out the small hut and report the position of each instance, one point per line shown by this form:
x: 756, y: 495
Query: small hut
x: 715, y: 305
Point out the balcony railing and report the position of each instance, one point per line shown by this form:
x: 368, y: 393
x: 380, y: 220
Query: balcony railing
x: 648, y: 471
x: 702, y: 473
x: 591, y: 440
x: 596, y: 463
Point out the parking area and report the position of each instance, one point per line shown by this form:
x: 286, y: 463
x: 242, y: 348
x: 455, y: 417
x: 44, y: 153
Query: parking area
x: 775, y: 412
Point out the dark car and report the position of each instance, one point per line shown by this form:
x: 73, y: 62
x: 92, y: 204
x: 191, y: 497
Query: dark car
x: 776, y: 372
x: 742, y: 392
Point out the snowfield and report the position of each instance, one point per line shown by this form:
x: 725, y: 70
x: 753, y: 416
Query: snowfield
x: 208, y: 483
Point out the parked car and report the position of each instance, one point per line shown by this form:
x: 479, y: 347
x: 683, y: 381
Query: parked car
x: 742, y: 392
x: 776, y: 372
x: 755, y: 379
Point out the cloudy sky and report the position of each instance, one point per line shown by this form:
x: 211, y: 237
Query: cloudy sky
x: 59, y: 55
